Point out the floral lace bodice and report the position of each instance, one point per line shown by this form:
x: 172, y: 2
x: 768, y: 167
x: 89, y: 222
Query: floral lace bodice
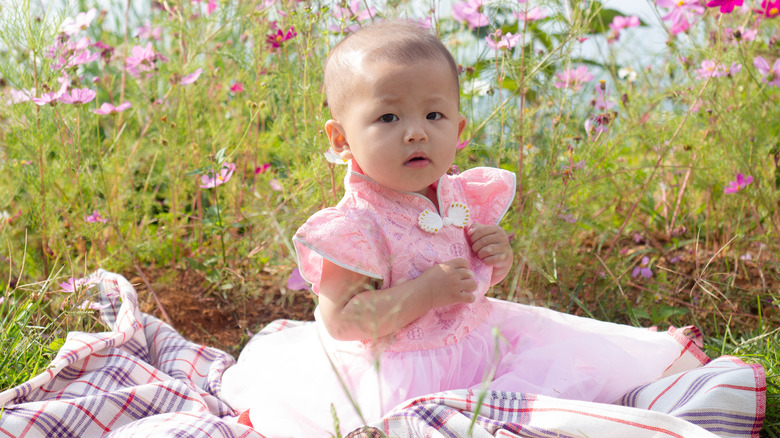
x: 376, y: 231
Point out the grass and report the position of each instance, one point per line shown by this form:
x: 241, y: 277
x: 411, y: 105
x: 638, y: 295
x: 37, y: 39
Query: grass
x: 644, y: 188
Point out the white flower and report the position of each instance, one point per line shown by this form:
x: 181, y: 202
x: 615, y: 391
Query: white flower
x: 476, y: 87
x: 72, y: 26
x: 627, y: 73
x: 334, y: 158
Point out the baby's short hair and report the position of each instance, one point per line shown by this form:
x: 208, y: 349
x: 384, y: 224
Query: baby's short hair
x: 398, y: 41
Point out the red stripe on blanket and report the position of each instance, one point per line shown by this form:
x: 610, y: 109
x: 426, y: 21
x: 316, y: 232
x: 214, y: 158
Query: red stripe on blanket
x: 650, y: 407
x: 613, y: 419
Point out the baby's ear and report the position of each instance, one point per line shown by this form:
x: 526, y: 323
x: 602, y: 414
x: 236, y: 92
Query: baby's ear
x: 338, y: 139
x: 461, y: 124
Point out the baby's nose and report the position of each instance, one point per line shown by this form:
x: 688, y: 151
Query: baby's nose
x: 415, y: 134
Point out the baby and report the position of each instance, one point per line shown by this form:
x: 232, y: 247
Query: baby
x: 402, y: 264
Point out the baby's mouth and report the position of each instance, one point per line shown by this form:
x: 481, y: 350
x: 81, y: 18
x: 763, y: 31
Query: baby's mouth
x: 417, y: 160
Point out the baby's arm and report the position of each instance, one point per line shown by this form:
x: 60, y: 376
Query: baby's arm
x: 352, y: 310
x: 491, y: 244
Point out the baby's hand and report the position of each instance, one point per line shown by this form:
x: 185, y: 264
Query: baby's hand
x: 449, y: 283
x: 491, y: 244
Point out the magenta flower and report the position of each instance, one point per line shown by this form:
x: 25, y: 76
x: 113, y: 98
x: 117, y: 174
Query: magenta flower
x: 107, y: 108
x: 597, y: 124
x: 190, y: 78
x: 573, y: 78
x: 74, y: 284
x: 497, y: 41
x: 738, y: 184
x: 770, y: 8
x: 238, y: 87
x: 212, y: 5
x: 95, y: 217
x: 532, y: 15
x: 462, y: 144
x: 275, y: 40
x: 78, y: 96
x: 771, y: 74
x: 296, y: 281
x: 470, y: 11
x: 726, y: 6
x: 642, y: 270
x: 262, y: 169
x: 211, y: 179
x: 71, y: 26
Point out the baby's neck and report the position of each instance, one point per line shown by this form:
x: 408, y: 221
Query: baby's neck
x: 431, y: 194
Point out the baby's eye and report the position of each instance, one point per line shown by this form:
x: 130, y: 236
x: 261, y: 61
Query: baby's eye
x: 388, y: 118
x: 434, y: 116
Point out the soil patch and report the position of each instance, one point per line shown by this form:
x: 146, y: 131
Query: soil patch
x: 206, y: 317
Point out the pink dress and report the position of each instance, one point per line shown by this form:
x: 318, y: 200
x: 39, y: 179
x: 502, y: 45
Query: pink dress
x: 295, y: 382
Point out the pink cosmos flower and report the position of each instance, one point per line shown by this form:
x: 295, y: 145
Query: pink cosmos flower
x: 770, y: 8
x: 141, y: 60
x: 597, y: 124
x: 726, y: 6
x: 275, y: 185
x: 19, y: 96
x: 682, y: 13
x: 275, y: 40
x: 601, y: 102
x: 620, y: 22
x: 462, y: 144
x: 52, y: 98
x: 74, y: 284
x: 710, y: 68
x: 148, y: 32
x: 296, y: 281
x: 352, y: 12
x: 573, y: 78
x: 497, y: 41
x: 642, y: 270
x: 211, y: 180
x: 190, y: 78
x: 238, y: 87
x: 78, y: 96
x: 107, y: 108
x: 71, y: 26
x: 738, y: 184
x: 470, y: 11
x: 532, y: 15
x: 425, y: 23
x: 212, y: 5
x: 71, y: 54
x: 771, y: 74
x: 95, y: 217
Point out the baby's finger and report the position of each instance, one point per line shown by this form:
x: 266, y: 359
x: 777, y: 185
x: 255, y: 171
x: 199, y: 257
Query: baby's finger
x: 490, y: 251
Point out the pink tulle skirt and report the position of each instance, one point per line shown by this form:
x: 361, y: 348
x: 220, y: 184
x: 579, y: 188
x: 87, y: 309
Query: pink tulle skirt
x: 301, y: 382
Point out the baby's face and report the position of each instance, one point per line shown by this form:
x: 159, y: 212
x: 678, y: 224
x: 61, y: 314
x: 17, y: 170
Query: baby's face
x: 401, y: 123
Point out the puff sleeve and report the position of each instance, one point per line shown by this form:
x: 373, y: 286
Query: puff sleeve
x: 343, y: 240
x: 489, y: 193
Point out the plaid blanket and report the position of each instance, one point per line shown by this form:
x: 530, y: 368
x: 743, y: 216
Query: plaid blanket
x: 144, y: 379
